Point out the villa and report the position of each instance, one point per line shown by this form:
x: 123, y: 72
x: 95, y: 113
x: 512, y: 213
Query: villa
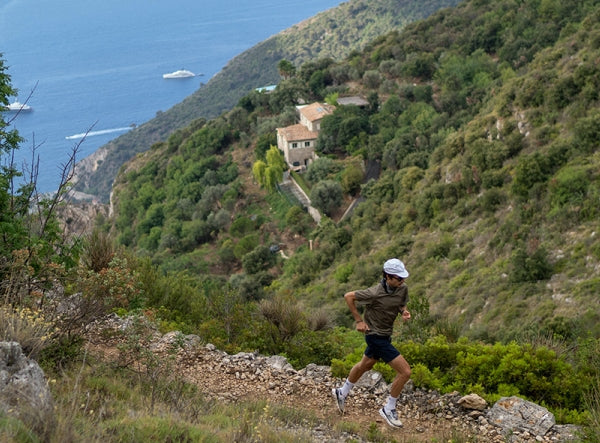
x: 297, y: 142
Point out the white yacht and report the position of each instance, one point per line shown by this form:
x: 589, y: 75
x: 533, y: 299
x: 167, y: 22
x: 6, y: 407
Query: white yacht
x: 182, y: 73
x: 18, y: 106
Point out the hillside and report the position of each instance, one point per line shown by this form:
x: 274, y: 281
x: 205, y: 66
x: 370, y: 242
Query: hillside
x: 473, y: 158
x: 334, y: 33
x: 488, y: 187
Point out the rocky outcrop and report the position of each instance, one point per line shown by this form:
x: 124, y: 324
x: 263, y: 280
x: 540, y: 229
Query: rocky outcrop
x: 79, y: 215
x: 513, y: 414
x: 24, y: 393
x: 86, y: 167
x: 510, y: 413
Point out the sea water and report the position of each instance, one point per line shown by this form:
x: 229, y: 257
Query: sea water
x: 95, y: 67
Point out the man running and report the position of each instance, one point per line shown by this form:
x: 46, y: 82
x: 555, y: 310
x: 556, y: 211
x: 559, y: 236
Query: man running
x: 382, y: 304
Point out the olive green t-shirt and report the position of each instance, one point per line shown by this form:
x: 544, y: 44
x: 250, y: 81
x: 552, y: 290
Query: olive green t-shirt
x: 382, y: 306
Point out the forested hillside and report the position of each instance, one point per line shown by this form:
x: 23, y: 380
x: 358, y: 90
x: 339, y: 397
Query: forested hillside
x: 486, y: 132
x: 331, y: 34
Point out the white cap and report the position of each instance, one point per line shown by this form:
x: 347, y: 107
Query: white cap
x: 395, y: 267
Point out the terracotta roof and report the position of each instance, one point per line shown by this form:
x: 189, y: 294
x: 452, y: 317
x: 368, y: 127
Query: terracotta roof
x: 316, y: 111
x: 297, y: 132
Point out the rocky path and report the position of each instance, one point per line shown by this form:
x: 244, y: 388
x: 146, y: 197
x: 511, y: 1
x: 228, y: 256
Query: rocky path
x: 248, y: 376
x: 427, y: 416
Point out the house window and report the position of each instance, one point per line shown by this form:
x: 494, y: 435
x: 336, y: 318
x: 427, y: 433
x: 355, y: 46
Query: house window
x: 294, y: 145
x: 296, y: 164
x: 306, y: 144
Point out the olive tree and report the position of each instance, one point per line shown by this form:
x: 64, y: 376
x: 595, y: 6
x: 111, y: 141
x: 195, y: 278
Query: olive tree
x: 326, y: 196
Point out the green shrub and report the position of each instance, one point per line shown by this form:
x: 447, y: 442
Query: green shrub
x: 590, y: 210
x: 245, y: 245
x: 259, y: 259
x: 372, y: 79
x: 351, y: 179
x: 285, y: 317
x: 535, y: 373
x: 298, y: 220
x: 410, y: 176
x: 569, y: 186
x: 448, y: 328
x: 423, y: 378
x: 492, y: 199
x: 322, y: 168
x: 530, y: 267
x: 318, y: 347
x: 587, y: 132
x: 118, y: 286
x: 343, y: 272
x: 62, y: 352
x: 362, y: 242
x: 460, y: 280
x: 194, y: 233
x: 493, y: 178
x: 530, y: 171
x: 327, y: 196
x: 241, y: 226
x: 441, y: 248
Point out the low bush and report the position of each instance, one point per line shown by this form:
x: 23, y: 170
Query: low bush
x: 343, y: 273
x: 492, y: 371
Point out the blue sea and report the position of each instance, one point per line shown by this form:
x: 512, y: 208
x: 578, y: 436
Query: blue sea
x: 96, y: 66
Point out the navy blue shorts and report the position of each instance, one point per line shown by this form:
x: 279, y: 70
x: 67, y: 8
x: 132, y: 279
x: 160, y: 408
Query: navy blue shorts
x: 380, y: 347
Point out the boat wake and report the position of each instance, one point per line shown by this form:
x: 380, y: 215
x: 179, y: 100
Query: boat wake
x: 101, y: 132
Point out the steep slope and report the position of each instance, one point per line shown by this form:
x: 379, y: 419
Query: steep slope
x: 487, y: 139
x: 334, y: 33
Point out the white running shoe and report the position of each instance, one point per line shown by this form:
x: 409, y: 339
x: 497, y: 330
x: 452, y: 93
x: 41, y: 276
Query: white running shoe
x: 339, y: 398
x: 391, y: 417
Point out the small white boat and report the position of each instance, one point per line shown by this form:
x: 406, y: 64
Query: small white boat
x: 182, y: 73
x: 18, y: 106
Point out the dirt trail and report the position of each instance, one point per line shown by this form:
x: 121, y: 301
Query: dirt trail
x: 427, y: 416
x: 230, y: 378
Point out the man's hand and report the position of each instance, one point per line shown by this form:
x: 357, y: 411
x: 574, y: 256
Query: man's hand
x: 405, y: 315
x: 361, y: 326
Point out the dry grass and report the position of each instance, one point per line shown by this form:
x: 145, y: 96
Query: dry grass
x: 26, y: 326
